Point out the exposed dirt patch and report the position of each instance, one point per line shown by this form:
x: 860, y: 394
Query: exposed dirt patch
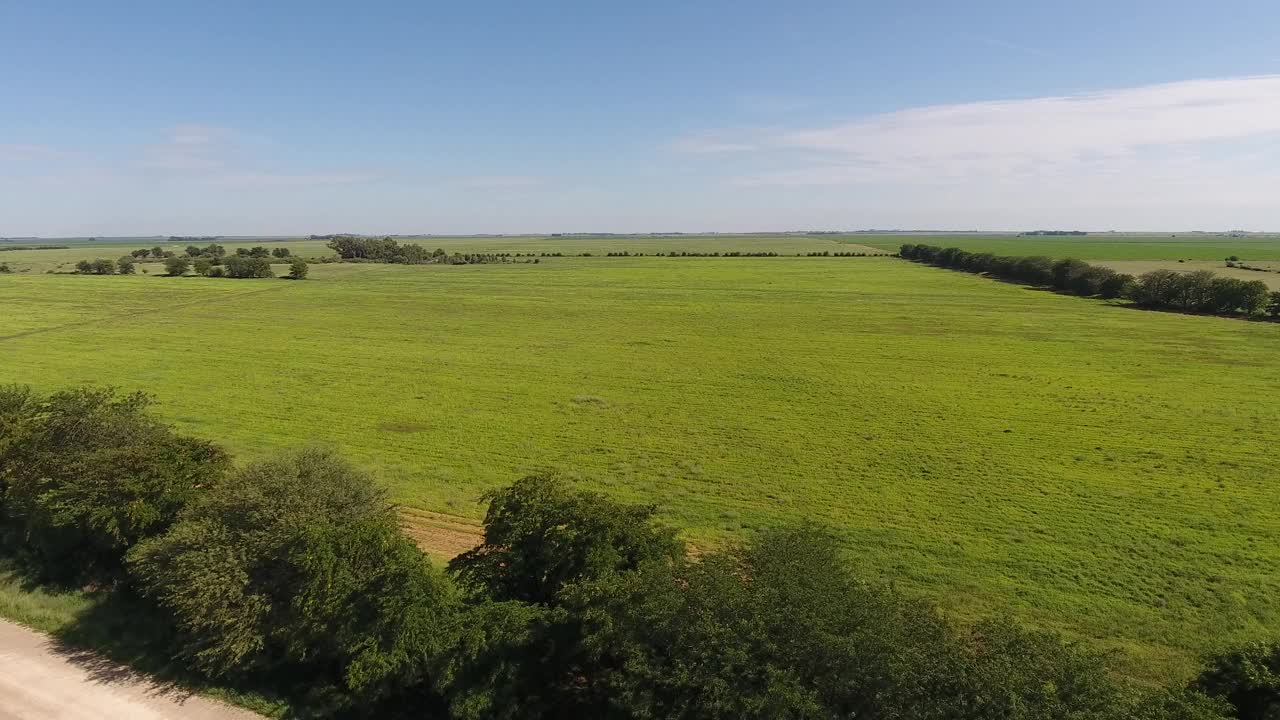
x: 440, y: 534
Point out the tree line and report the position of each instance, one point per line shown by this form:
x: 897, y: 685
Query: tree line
x: 1200, y: 291
x: 291, y: 573
x: 8, y: 248
x: 231, y: 266
x: 388, y: 250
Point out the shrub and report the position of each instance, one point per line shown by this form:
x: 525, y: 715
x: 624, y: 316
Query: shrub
x: 297, y: 566
x: 202, y: 266
x: 1248, y: 679
x: 125, y: 266
x: 243, y: 266
x: 280, y: 252
x: 298, y: 269
x: 540, y: 535
x: 88, y: 473
x: 177, y: 265
x: 1115, y: 285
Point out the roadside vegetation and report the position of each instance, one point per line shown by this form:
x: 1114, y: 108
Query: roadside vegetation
x: 289, y: 575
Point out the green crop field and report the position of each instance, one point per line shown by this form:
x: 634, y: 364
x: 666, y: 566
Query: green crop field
x: 1083, y: 465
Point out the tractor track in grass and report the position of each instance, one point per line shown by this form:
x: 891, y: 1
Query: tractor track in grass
x: 440, y: 534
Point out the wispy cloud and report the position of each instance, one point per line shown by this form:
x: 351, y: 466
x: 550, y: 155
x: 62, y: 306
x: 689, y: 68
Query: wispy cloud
x: 190, y: 148
x: 1016, y: 137
x: 500, y: 181
x: 711, y: 146
x: 267, y: 180
x: 29, y: 151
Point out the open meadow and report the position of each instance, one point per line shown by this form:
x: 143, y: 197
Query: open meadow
x: 1086, y: 466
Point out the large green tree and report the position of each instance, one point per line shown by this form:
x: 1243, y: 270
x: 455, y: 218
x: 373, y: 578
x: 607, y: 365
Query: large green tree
x: 296, y: 567
x: 89, y: 473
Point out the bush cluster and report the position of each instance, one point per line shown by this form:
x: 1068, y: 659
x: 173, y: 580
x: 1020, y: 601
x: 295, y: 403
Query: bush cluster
x: 292, y: 572
x: 1196, y: 292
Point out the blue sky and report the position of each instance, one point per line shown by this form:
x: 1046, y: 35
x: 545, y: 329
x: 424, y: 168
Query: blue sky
x: 290, y: 117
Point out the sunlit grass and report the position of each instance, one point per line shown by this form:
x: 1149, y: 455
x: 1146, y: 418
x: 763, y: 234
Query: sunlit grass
x: 1086, y: 466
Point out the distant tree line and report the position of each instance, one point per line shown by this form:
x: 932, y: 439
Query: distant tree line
x: 291, y: 574
x: 249, y: 264
x: 1052, y: 233
x: 1196, y: 292
x: 8, y: 248
x: 388, y: 250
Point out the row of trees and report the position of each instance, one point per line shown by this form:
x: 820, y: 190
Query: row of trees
x: 11, y: 248
x: 234, y: 266
x: 350, y: 247
x: 102, y: 266
x: 292, y: 572
x: 1200, y: 292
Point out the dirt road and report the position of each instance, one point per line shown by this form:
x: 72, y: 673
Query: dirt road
x: 39, y: 681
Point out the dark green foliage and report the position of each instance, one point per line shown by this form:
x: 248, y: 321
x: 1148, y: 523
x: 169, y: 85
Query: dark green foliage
x: 89, y: 473
x: 1198, y: 291
x: 96, y: 267
x: 1273, y: 304
x: 142, y: 253
x: 177, y: 265
x: 243, y: 266
x: 298, y: 269
x: 777, y: 629
x: 350, y: 247
x: 194, y: 251
x: 1248, y: 679
x: 157, y: 252
x: 258, y: 251
x: 540, y: 535
x: 1114, y: 285
x: 202, y: 265
x: 280, y: 252
x: 296, y: 567
x: 4, y: 268
x: 125, y: 266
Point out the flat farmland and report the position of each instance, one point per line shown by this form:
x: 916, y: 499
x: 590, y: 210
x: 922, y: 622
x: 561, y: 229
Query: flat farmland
x: 984, y: 445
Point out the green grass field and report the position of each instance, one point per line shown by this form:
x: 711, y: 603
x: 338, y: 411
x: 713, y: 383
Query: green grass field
x: 1083, y: 465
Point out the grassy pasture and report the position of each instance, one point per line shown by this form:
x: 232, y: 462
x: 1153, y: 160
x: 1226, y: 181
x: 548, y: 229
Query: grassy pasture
x: 64, y: 260
x: 1084, y: 465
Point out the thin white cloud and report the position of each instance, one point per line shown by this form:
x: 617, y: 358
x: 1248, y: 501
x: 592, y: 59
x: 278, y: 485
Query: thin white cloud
x: 266, y: 179
x: 500, y: 181
x: 190, y: 148
x: 1019, y: 137
x: 709, y: 146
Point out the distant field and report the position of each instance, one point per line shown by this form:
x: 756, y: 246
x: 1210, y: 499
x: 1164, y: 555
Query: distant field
x: 1137, y: 267
x: 1084, y: 465
x: 80, y: 249
x: 1101, y: 246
